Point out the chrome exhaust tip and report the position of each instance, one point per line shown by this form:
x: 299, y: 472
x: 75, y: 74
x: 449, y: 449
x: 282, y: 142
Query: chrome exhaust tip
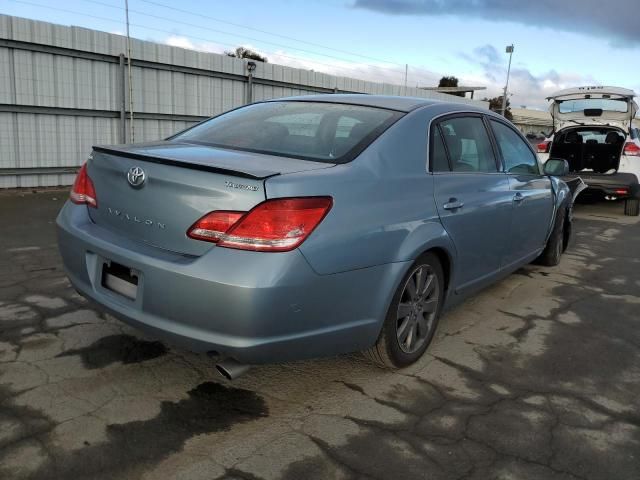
x: 230, y: 369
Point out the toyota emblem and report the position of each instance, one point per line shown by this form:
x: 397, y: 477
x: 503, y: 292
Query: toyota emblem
x: 136, y: 177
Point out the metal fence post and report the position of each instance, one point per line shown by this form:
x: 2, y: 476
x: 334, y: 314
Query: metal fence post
x: 123, y: 102
x: 251, y: 66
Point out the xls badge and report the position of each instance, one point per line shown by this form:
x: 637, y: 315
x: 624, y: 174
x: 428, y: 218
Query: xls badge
x: 241, y: 186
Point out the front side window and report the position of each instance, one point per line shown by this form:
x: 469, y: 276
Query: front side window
x: 302, y: 124
x: 517, y: 156
x: 468, y: 145
x: 326, y: 132
x: 345, y: 125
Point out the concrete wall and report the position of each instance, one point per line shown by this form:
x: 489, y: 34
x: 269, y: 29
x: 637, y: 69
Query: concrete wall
x: 64, y: 89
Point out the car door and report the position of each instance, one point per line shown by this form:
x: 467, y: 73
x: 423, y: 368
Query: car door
x: 532, y: 195
x: 472, y: 196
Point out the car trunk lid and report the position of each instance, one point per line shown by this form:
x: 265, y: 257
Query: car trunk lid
x: 181, y: 183
x: 593, y: 105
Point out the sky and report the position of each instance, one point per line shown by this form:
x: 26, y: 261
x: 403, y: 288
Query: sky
x: 558, y: 43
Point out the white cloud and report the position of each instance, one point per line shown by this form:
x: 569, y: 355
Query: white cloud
x: 489, y: 69
x: 382, y: 73
x: 182, y: 42
x: 185, y: 42
x: 525, y: 87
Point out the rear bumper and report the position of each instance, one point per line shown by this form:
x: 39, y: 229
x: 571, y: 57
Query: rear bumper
x: 620, y: 185
x: 253, y: 307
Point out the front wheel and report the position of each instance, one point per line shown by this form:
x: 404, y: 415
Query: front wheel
x: 413, y: 315
x: 552, y: 253
x: 632, y: 207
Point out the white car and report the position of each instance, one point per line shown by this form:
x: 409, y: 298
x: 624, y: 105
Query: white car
x: 592, y: 130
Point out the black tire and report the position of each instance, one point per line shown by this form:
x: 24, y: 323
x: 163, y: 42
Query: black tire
x: 632, y: 207
x: 389, y: 351
x: 556, y: 245
x: 567, y: 232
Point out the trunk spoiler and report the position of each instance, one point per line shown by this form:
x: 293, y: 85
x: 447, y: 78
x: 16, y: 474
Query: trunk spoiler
x: 180, y: 163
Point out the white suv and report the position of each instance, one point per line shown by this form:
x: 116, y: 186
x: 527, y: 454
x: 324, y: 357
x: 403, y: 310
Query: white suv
x: 592, y: 130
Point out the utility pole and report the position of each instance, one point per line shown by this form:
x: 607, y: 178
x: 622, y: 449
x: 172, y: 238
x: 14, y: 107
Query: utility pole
x: 406, y: 71
x: 509, y: 50
x: 131, y: 136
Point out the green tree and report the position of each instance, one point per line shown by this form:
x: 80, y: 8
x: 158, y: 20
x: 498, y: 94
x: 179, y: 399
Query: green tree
x: 450, y: 81
x: 242, y: 52
x: 495, y: 105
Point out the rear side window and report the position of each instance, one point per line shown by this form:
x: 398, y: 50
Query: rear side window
x: 517, y: 156
x: 468, y: 145
x: 327, y: 132
x: 438, y: 160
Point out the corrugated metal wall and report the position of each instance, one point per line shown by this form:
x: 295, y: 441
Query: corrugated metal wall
x: 64, y: 89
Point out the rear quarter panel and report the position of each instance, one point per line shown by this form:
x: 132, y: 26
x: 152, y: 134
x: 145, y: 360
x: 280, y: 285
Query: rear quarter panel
x: 383, y: 208
x: 630, y: 164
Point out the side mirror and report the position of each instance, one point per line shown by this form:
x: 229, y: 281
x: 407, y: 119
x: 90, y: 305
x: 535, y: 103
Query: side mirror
x: 556, y: 167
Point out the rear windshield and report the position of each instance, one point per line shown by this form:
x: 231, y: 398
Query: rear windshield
x: 606, y: 104
x: 327, y: 132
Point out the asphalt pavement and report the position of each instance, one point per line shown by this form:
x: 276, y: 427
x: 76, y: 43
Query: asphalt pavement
x: 537, y: 377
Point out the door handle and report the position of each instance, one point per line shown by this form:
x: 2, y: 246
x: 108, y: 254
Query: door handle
x: 518, y: 197
x: 453, y: 204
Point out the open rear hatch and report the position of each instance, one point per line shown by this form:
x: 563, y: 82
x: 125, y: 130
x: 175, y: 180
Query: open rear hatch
x: 612, y: 106
x: 181, y: 182
x: 590, y: 127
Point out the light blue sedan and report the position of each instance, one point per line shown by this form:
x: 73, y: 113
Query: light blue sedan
x: 311, y: 226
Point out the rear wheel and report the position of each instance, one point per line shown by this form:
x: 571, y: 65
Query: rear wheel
x: 413, y: 315
x: 632, y: 207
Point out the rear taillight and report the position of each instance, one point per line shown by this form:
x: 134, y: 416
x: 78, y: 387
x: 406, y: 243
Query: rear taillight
x: 543, y: 147
x: 212, y: 225
x: 83, y: 191
x: 631, y: 149
x: 277, y: 225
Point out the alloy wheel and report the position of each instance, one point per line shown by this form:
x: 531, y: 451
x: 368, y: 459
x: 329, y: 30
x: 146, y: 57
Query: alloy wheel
x: 417, y: 308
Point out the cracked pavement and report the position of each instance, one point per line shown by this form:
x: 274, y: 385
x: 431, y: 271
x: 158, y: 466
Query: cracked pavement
x: 537, y: 377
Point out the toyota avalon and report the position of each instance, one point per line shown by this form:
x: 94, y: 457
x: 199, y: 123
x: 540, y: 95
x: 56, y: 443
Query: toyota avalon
x: 311, y: 226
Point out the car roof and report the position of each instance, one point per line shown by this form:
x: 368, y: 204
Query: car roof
x: 391, y: 102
